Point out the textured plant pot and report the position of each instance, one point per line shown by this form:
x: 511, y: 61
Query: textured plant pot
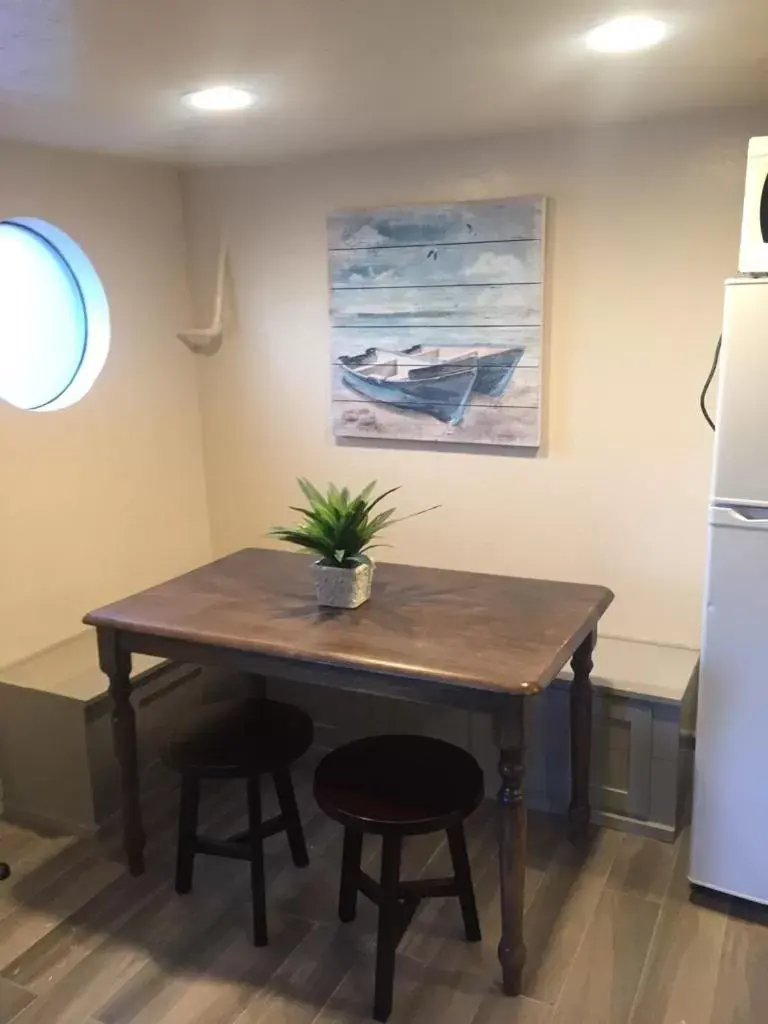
x: 342, y: 588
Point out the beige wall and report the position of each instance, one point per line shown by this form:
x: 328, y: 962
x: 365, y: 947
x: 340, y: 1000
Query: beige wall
x: 108, y: 496
x: 644, y: 228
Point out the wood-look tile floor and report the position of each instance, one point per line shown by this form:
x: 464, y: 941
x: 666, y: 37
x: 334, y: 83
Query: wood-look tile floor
x: 612, y: 935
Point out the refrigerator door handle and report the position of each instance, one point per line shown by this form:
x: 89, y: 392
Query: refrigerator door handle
x: 750, y: 517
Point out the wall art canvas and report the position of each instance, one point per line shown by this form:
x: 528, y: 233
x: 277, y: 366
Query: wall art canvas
x: 436, y: 322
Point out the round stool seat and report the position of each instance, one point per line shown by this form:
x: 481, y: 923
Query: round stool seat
x: 409, y: 784
x: 238, y: 739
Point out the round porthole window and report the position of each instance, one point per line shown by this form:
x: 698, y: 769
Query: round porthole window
x: 54, y: 317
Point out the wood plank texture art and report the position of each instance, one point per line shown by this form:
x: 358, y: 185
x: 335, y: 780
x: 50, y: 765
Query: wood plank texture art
x: 436, y: 322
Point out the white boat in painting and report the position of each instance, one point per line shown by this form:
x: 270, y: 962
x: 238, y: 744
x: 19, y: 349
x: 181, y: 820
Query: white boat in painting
x: 435, y: 381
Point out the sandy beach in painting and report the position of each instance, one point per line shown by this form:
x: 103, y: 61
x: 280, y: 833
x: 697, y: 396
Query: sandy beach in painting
x: 511, y: 419
x: 482, y: 424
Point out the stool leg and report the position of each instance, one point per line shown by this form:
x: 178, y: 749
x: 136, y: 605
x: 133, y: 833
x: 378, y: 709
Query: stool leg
x: 290, y: 811
x: 189, y: 800
x: 389, y: 929
x: 258, y: 895
x: 350, y: 867
x: 463, y: 876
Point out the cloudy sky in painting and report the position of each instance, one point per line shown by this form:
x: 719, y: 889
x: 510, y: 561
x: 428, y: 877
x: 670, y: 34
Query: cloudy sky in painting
x: 453, y: 264
x: 483, y: 221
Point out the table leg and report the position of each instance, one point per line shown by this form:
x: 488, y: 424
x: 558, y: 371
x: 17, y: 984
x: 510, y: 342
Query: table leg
x: 116, y: 665
x: 581, y: 737
x: 509, y: 729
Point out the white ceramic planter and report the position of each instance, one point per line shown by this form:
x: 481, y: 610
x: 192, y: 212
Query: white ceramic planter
x: 342, y: 588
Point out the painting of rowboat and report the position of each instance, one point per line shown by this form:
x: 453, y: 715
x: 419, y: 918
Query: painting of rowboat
x: 436, y: 322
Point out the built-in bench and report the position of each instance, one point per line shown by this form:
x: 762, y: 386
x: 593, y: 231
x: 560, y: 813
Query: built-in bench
x: 643, y: 724
x: 56, y: 763
x: 643, y: 736
x: 57, y: 767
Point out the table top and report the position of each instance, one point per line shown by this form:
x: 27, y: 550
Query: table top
x: 495, y: 633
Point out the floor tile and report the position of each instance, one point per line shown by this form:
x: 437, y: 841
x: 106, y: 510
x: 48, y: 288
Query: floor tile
x: 562, y: 910
x: 612, y: 934
x: 741, y: 994
x: 603, y: 980
x: 13, y: 999
x: 682, y: 968
x: 643, y: 867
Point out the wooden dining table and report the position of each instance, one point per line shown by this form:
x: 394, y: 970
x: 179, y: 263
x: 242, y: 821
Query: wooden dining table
x: 474, y: 641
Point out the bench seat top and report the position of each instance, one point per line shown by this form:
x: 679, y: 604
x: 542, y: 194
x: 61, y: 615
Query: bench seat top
x: 69, y: 668
x: 634, y: 668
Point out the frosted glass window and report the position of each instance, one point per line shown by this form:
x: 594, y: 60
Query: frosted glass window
x: 48, y: 291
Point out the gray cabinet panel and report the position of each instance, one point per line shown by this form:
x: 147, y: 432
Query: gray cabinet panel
x: 666, y: 731
x: 665, y: 792
x: 621, y: 755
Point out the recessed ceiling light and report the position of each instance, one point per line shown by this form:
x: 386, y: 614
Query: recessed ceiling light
x: 623, y: 35
x: 220, y: 98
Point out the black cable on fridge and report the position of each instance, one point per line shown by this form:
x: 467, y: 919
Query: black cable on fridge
x: 708, y: 383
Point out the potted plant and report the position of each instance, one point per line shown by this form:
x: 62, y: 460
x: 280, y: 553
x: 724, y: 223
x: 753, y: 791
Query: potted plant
x: 341, y: 530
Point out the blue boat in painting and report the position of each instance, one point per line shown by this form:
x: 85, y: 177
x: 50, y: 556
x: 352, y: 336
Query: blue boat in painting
x: 495, y: 366
x: 435, y: 381
x: 399, y: 379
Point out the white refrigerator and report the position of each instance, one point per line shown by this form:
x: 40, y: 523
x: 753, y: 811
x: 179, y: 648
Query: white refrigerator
x: 729, y: 849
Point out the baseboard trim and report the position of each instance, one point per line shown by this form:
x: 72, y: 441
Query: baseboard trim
x: 651, y: 829
x: 47, y: 824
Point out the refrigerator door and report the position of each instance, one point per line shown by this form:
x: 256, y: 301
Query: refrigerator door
x: 729, y: 849
x: 741, y: 440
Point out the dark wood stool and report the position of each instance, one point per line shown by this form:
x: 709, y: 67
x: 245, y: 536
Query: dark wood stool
x: 397, y: 786
x: 234, y: 740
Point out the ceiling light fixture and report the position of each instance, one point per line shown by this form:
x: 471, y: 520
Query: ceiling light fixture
x: 220, y: 98
x: 627, y: 34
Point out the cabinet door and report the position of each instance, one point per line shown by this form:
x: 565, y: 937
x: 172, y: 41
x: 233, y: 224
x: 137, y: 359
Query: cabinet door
x: 621, y: 753
x: 621, y: 756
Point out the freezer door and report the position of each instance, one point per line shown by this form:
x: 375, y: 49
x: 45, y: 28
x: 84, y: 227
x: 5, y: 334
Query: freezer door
x: 730, y: 821
x: 741, y: 440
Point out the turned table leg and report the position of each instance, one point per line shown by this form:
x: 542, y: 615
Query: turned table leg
x: 116, y: 665
x: 510, y: 738
x: 581, y: 737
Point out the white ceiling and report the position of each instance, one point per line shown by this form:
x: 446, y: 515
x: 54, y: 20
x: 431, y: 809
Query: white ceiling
x: 343, y: 74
